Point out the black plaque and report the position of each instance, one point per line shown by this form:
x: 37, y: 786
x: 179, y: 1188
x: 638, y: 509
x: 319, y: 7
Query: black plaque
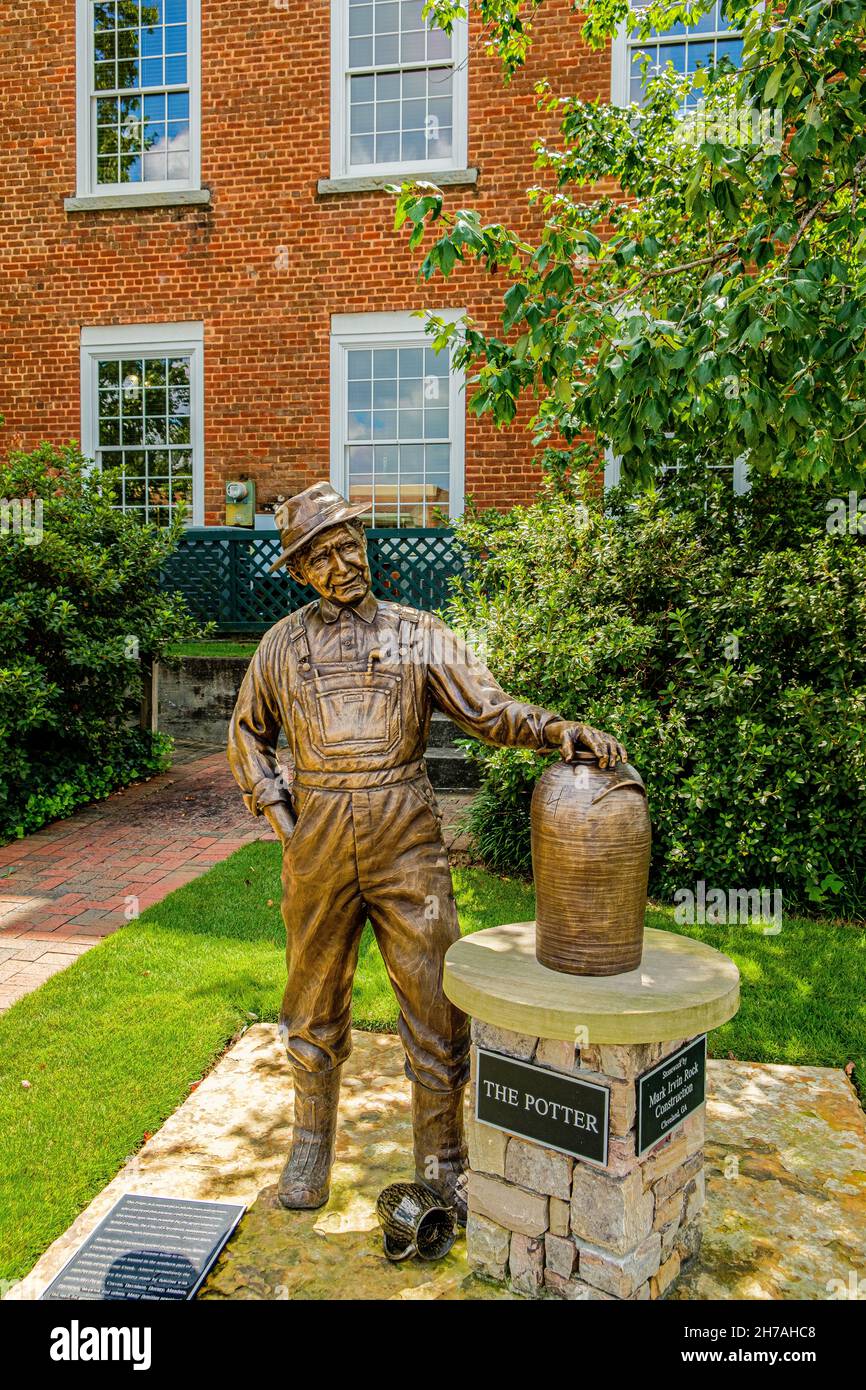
x: 670, y: 1092
x: 148, y: 1248
x: 548, y: 1107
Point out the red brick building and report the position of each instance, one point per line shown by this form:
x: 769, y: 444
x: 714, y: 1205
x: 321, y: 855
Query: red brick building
x: 200, y: 276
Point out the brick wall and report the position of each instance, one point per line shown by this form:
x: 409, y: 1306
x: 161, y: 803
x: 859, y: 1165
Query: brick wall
x: 265, y: 143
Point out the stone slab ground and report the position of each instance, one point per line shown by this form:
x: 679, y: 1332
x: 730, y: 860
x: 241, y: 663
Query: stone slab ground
x: 786, y: 1193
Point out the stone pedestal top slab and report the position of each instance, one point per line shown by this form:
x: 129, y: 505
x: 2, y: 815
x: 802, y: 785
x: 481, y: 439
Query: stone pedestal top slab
x: 681, y: 988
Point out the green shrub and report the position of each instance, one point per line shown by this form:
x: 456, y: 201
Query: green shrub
x: 723, y: 640
x: 80, y: 613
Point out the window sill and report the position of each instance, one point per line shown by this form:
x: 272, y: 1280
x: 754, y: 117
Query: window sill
x: 369, y: 183
x: 102, y: 202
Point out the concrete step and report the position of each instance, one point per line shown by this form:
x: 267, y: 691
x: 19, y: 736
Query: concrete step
x: 443, y: 731
x: 449, y: 770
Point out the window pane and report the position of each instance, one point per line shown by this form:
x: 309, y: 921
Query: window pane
x: 360, y: 364
x: 362, y: 89
x: 385, y: 362
x: 178, y: 135
x: 134, y: 406
x: 411, y: 113
x: 411, y: 14
x: 732, y: 49
x: 384, y: 424
x: 402, y: 479
x: 387, y: 48
x: 438, y: 44
x: 388, y: 87
x: 360, y: 395
x: 104, y: 16
x: 412, y: 48
x: 178, y: 106
x: 696, y: 50
x: 387, y: 17
x: 385, y: 395
x: 700, y: 55
x: 362, y: 149
x: 362, y: 118
x: 150, y: 44
x: 109, y: 374
x: 154, y: 371
x: 361, y: 20
x: 107, y: 171
x: 360, y: 53
x: 175, y: 70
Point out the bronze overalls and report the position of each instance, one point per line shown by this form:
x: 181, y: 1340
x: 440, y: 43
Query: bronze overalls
x: 367, y: 844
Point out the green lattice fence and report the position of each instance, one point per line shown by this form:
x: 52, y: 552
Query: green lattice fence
x: 224, y: 573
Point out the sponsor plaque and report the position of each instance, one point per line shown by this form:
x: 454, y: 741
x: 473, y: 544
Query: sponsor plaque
x: 148, y: 1248
x: 548, y: 1107
x: 670, y: 1092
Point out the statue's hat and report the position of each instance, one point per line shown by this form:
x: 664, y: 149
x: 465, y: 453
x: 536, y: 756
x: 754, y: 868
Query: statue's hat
x: 315, y: 509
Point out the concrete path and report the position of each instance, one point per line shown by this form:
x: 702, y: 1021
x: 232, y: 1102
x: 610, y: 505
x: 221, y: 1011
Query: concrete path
x: 786, y: 1184
x: 72, y: 883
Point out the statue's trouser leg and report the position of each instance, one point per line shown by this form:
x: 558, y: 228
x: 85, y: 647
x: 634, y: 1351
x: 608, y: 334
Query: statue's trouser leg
x: 410, y: 900
x: 306, y: 1178
x: 440, y: 1144
x: 376, y: 853
x: 324, y: 916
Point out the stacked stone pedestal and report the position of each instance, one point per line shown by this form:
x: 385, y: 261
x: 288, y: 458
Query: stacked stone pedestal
x: 556, y: 1226
x: 549, y: 1224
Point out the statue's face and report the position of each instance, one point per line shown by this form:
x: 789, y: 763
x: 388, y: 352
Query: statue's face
x: 335, y: 565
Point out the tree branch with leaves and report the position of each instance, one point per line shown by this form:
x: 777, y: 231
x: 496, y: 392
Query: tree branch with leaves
x: 717, y: 304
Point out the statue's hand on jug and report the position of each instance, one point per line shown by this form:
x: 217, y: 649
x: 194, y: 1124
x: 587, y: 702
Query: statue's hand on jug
x: 576, y: 738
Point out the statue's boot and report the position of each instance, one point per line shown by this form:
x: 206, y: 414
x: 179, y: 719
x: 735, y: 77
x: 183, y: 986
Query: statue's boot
x: 440, y: 1145
x: 306, y: 1178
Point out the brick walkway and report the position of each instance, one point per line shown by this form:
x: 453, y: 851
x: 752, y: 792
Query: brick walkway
x: 66, y: 887
x: 74, y: 882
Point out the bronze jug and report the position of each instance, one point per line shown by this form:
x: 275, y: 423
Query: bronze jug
x: 590, y: 860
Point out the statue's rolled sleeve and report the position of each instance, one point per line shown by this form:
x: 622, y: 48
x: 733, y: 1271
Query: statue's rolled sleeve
x: 464, y: 689
x: 252, y: 740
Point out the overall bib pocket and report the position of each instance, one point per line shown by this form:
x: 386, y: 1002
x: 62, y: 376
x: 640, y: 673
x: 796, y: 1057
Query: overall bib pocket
x: 354, y: 712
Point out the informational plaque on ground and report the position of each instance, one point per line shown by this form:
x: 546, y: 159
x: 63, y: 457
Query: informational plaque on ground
x: 148, y: 1248
x: 670, y: 1092
x: 549, y: 1107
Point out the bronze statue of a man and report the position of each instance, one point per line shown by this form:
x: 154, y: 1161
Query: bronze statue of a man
x: 352, y: 682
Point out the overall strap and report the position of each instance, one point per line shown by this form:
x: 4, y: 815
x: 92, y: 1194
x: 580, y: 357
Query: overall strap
x: 408, y: 622
x: 300, y: 641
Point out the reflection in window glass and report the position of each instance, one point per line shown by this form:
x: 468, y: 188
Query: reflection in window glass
x: 141, y: 91
x: 398, y: 446
x: 685, y: 48
x: 400, y: 85
x: 145, y: 431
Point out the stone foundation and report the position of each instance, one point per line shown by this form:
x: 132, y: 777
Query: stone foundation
x: 553, y: 1226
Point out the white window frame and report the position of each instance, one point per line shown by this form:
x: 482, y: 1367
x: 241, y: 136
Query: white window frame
x: 620, y: 57
x: 146, y: 340
x: 340, y: 166
x: 87, y: 186
x: 385, y: 331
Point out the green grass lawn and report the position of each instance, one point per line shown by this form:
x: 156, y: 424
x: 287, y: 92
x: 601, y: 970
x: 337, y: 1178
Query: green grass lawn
x: 112, y: 1045
x: 215, y: 647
